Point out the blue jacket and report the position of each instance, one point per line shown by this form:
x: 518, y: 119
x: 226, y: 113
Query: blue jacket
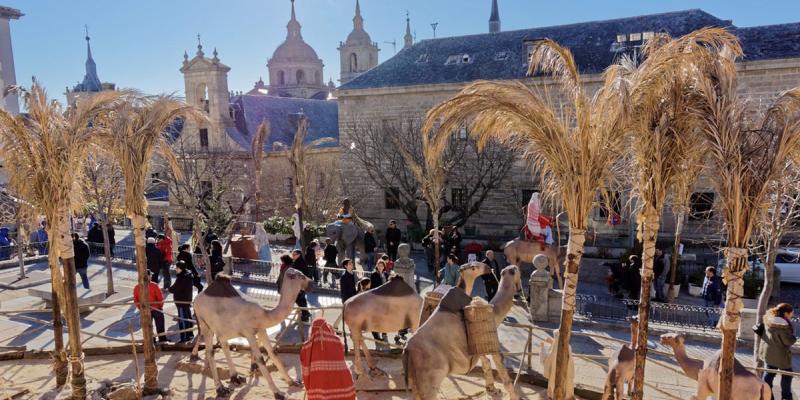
x: 450, y: 274
x: 712, y: 290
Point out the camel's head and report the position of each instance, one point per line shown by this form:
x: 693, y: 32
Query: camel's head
x: 512, y: 273
x: 673, y: 339
x: 472, y: 270
x: 296, y: 281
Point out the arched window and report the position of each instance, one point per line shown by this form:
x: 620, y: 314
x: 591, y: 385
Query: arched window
x: 202, y: 96
x: 281, y: 78
x: 301, y: 76
x: 353, y: 62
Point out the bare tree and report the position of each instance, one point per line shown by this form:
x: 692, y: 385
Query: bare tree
x: 104, y: 185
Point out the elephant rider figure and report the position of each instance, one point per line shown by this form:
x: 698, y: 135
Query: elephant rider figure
x: 537, y: 226
x: 347, y: 233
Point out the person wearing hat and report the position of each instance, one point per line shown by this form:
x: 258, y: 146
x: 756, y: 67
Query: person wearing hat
x: 393, y: 237
x: 155, y: 260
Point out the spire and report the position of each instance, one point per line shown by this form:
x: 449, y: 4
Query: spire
x: 293, y: 27
x: 494, y: 19
x: 199, y: 47
x: 408, y: 39
x: 358, y: 21
x: 91, y: 82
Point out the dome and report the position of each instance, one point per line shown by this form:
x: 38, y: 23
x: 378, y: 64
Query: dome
x: 294, y: 51
x: 358, y: 37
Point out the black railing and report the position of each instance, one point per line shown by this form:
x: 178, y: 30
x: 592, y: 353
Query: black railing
x: 609, y: 308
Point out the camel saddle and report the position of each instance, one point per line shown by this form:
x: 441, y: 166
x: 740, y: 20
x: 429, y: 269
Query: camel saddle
x: 221, y: 287
x: 396, y: 287
x: 454, y: 301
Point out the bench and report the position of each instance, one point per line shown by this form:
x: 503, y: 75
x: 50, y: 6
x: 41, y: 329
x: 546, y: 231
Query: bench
x: 85, y: 297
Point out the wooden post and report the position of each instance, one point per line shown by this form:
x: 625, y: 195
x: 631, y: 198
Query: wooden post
x: 731, y: 318
x: 575, y: 246
x: 20, y: 250
x: 107, y: 253
x: 650, y: 226
x: 60, y: 367
x: 530, y: 347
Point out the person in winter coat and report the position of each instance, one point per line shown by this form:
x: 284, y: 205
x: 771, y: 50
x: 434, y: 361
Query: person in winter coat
x: 369, y: 248
x: 156, y: 300
x: 95, y: 238
x: 164, y: 245
x: 5, y: 244
x: 188, y: 261
x: 429, y: 242
x: 347, y: 283
x: 450, y: 274
x: 39, y: 239
x: 778, y: 336
x: 329, y: 256
x: 378, y: 276
x: 660, y: 278
x: 155, y: 261
x: 112, y: 241
x: 712, y: 293
x: 310, y: 259
x: 393, y: 238
x: 299, y: 264
x: 286, y: 263
x: 182, y: 294
x: 490, y: 278
x: 216, y: 260
x: 82, y: 254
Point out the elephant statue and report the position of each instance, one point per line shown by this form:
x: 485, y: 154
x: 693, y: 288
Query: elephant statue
x: 349, y: 240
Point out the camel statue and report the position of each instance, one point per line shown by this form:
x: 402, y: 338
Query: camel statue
x: 349, y: 241
x: 518, y: 252
x: 746, y: 385
x: 547, y: 358
x: 222, y: 311
x: 390, y: 308
x: 621, y: 366
x: 439, y: 348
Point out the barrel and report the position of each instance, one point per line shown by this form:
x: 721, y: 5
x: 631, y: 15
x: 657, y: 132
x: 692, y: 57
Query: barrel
x: 481, y: 329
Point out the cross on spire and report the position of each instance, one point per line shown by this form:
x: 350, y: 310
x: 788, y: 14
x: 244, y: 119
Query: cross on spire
x: 199, y: 47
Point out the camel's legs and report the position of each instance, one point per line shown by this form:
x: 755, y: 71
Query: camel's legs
x: 501, y: 370
x: 488, y: 376
x: 355, y: 335
x: 275, y: 360
x: 235, y: 378
x: 254, y: 349
x: 370, y: 362
x: 209, y: 338
x: 620, y: 389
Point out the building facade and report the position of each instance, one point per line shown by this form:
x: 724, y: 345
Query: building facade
x: 358, y: 54
x: 8, y: 75
x: 431, y: 71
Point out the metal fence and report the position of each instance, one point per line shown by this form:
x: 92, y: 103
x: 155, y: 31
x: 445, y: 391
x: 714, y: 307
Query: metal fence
x: 608, y: 308
x: 32, y: 249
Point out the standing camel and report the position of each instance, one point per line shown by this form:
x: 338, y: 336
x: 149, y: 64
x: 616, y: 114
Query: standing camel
x: 746, y: 385
x: 439, y: 348
x: 520, y: 251
x: 223, y: 312
x: 621, y: 367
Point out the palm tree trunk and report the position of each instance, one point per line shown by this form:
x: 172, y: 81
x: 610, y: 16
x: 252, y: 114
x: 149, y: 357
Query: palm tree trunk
x: 60, y: 368
x: 577, y: 237
x: 676, y: 246
x: 148, y: 347
x: 766, y: 292
x: 734, y: 274
x: 107, y: 253
x: 650, y: 227
x: 437, y: 246
x: 201, y: 244
x: 20, y: 250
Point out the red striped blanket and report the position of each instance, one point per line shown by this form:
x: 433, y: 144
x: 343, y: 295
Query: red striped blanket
x: 325, y: 373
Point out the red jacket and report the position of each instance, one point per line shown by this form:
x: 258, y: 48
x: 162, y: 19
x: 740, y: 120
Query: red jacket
x: 156, y: 297
x: 165, y: 246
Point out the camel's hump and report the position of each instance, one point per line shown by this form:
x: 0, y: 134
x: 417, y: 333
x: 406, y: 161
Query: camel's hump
x: 221, y: 287
x: 396, y: 287
x: 455, y: 300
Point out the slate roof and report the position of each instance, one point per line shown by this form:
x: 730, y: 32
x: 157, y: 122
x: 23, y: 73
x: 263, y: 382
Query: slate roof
x: 503, y: 55
x: 249, y: 110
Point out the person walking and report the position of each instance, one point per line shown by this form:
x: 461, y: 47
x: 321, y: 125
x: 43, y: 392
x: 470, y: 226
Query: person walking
x: 347, y: 283
x: 311, y: 261
x: 82, y: 254
x: 164, y: 244
x: 659, y: 267
x: 490, y: 278
x: 299, y: 264
x: 156, y: 299
x: 186, y: 257
x: 329, y: 256
x: 95, y: 239
x: 449, y: 274
x: 155, y: 259
x: 216, y: 260
x: 182, y: 294
x: 777, y: 333
x: 712, y: 293
x: 393, y: 238
x: 369, y: 248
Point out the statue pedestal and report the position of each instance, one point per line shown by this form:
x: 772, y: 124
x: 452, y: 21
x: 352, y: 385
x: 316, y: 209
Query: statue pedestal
x: 539, y: 300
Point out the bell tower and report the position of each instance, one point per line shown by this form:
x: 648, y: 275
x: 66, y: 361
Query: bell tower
x: 358, y: 53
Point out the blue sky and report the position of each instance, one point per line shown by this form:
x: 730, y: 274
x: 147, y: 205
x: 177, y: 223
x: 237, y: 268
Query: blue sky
x: 140, y: 43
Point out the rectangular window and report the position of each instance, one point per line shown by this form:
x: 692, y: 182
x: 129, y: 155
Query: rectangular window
x: 612, y: 204
x: 288, y: 185
x: 501, y: 56
x: 391, y: 197
x: 463, y: 133
x: 458, y: 198
x: 648, y: 35
x: 204, y: 138
x: 622, y: 38
x: 701, y: 205
x: 634, y: 37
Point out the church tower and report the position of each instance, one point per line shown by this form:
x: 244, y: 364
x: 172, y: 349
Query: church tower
x: 295, y: 70
x: 494, y: 19
x: 206, y: 86
x: 91, y: 82
x: 358, y: 53
x: 408, y: 40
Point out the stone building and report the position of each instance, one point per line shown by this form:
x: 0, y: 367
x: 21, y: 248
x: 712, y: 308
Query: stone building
x: 428, y: 72
x: 8, y: 75
x: 358, y: 53
x: 91, y: 82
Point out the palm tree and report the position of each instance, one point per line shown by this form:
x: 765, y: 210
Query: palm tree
x: 137, y: 128
x: 257, y: 152
x: 574, y: 147
x: 44, y: 152
x: 747, y: 155
x: 664, y: 140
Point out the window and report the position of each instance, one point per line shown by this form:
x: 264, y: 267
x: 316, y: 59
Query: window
x: 466, y: 59
x: 205, y: 188
x: 301, y: 76
x: 458, y: 198
x: 155, y: 177
x: 701, y: 205
x: 501, y: 56
x: 463, y: 133
x: 452, y: 60
x: 422, y: 59
x: 353, y: 62
x: 202, y: 96
x: 458, y: 59
x: 527, y: 194
x: 611, y: 204
x: 648, y: 35
x: 786, y: 258
x: 635, y: 37
x: 204, y: 138
x: 387, y: 128
x: 288, y: 185
x: 281, y: 78
x: 622, y: 38
x: 391, y: 199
